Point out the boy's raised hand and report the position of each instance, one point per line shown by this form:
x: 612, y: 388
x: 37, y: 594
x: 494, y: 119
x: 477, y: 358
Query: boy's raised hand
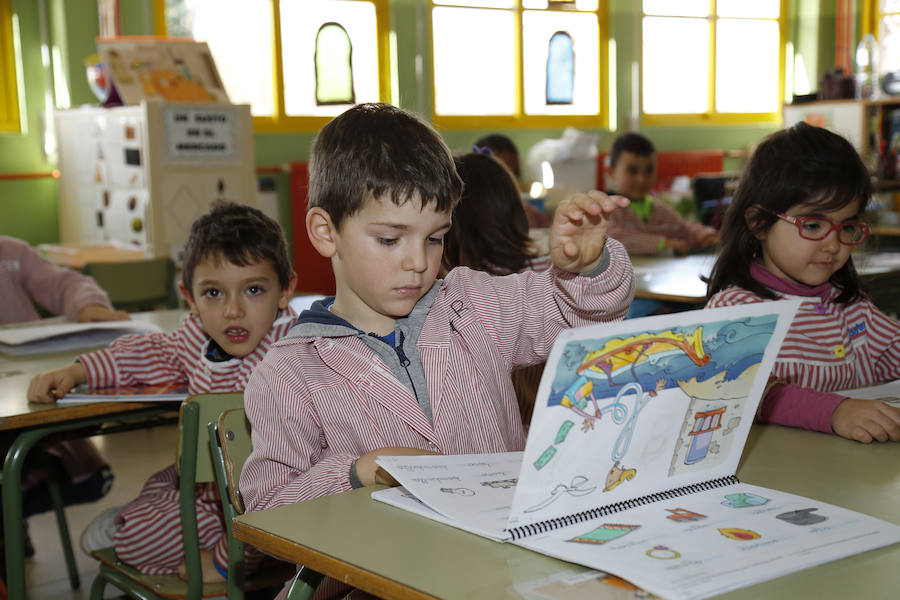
x: 866, y: 420
x: 578, y: 231
x: 48, y: 387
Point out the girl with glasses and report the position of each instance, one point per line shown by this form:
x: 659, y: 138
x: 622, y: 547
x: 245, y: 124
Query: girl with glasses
x: 788, y: 233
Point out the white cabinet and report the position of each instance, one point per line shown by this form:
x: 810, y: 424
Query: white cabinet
x: 142, y: 174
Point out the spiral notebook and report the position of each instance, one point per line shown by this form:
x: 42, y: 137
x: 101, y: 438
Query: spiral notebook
x: 629, y: 466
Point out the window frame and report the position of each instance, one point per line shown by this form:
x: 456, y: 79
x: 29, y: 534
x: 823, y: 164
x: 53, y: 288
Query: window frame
x: 519, y: 119
x: 871, y: 22
x: 280, y: 122
x: 10, y: 116
x: 711, y: 116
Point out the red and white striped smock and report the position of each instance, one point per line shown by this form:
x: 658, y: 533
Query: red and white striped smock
x: 829, y: 347
x: 149, y: 538
x: 316, y: 404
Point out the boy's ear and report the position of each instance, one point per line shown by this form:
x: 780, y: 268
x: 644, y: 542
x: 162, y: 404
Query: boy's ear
x: 288, y: 292
x: 321, y: 231
x: 750, y: 218
x: 187, y: 297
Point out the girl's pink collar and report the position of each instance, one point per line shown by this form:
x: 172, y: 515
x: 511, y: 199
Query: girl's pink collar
x: 770, y: 280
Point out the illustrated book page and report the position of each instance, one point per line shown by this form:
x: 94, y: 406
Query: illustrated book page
x: 56, y: 335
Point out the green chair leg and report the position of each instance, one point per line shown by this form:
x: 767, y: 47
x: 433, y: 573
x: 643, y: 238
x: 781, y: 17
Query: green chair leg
x: 63, y: 526
x: 304, y: 584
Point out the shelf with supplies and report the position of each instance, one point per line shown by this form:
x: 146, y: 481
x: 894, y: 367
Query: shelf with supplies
x: 870, y: 125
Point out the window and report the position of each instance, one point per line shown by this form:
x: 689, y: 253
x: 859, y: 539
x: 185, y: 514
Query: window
x: 322, y: 55
x: 712, y: 61
x: 887, y: 29
x: 518, y: 62
x: 9, y: 95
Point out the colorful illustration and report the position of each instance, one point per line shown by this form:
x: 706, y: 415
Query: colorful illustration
x: 743, y: 500
x: 683, y: 514
x: 608, y: 383
x: 741, y: 535
x: 663, y: 553
x: 605, y: 533
x: 803, y: 516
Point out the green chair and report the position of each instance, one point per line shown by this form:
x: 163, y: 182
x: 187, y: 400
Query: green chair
x: 229, y: 441
x: 194, y: 466
x: 136, y: 285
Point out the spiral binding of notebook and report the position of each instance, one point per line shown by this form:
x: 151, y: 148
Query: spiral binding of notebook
x: 523, y: 531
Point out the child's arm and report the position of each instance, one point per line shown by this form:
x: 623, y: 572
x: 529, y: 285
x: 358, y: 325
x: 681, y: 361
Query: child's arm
x: 48, y: 387
x: 93, y: 313
x: 866, y: 421
x: 578, y: 232
x: 370, y: 473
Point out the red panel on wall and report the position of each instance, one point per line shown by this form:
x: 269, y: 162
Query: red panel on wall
x: 314, y: 274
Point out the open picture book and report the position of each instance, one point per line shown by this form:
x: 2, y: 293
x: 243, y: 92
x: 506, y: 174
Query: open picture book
x: 167, y: 392
x: 629, y: 466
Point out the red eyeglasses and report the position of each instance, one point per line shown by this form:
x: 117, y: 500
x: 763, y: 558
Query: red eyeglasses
x: 850, y: 233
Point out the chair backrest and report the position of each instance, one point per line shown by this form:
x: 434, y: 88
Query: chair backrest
x: 233, y: 432
x: 196, y: 414
x: 136, y: 285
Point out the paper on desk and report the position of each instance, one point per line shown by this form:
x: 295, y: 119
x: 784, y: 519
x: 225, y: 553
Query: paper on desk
x: 167, y: 392
x: 889, y: 392
x: 60, y: 337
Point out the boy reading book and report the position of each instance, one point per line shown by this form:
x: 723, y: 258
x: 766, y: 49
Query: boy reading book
x: 237, y: 279
x: 398, y: 361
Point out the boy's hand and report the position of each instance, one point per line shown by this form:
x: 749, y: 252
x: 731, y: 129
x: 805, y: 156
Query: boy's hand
x: 93, y: 313
x: 370, y: 474
x: 866, y: 421
x: 48, y: 387
x: 678, y: 247
x: 578, y: 232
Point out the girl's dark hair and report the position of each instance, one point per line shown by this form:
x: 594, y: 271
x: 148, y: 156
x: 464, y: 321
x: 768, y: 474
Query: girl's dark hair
x: 490, y: 229
x: 374, y: 149
x: 238, y: 234
x: 799, y: 165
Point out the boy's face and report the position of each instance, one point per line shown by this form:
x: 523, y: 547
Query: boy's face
x: 237, y: 305
x: 634, y: 175
x: 386, y: 257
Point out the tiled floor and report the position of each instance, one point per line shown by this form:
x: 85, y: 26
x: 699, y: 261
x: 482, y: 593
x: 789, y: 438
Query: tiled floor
x: 133, y: 456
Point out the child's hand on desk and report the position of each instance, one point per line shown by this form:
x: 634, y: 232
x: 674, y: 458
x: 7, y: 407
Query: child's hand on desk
x: 678, y: 247
x: 866, y: 421
x: 371, y: 474
x: 94, y: 313
x: 48, y: 387
x: 578, y: 232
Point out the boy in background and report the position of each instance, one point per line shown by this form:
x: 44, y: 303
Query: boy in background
x: 648, y: 226
x: 237, y: 280
x: 398, y: 361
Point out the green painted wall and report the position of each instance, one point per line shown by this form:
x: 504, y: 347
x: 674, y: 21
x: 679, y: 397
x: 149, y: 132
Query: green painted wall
x: 29, y: 206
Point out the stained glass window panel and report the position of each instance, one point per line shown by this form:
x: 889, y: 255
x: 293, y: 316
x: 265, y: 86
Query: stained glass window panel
x: 538, y: 27
x: 300, y: 22
x: 560, y: 69
x: 334, y: 65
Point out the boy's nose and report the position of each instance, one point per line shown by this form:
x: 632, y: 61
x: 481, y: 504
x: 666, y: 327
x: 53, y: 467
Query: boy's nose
x: 233, y: 308
x: 415, y: 259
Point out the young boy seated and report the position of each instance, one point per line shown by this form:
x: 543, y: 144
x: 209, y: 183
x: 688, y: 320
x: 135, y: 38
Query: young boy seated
x: 648, y: 226
x: 237, y: 280
x: 398, y: 361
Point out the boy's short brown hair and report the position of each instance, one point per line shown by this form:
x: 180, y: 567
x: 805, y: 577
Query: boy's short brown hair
x: 376, y: 149
x: 630, y: 142
x: 239, y: 234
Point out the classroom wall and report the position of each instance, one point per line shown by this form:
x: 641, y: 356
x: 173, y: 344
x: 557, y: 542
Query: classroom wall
x: 29, y: 206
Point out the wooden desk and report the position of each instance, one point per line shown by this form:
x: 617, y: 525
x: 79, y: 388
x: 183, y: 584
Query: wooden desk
x: 677, y: 279
x: 77, y: 255
x: 22, y: 425
x: 396, y: 554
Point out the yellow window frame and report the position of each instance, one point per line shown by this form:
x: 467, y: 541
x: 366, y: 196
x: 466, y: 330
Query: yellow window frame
x: 713, y: 117
x: 280, y: 122
x: 9, y: 89
x: 519, y: 119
